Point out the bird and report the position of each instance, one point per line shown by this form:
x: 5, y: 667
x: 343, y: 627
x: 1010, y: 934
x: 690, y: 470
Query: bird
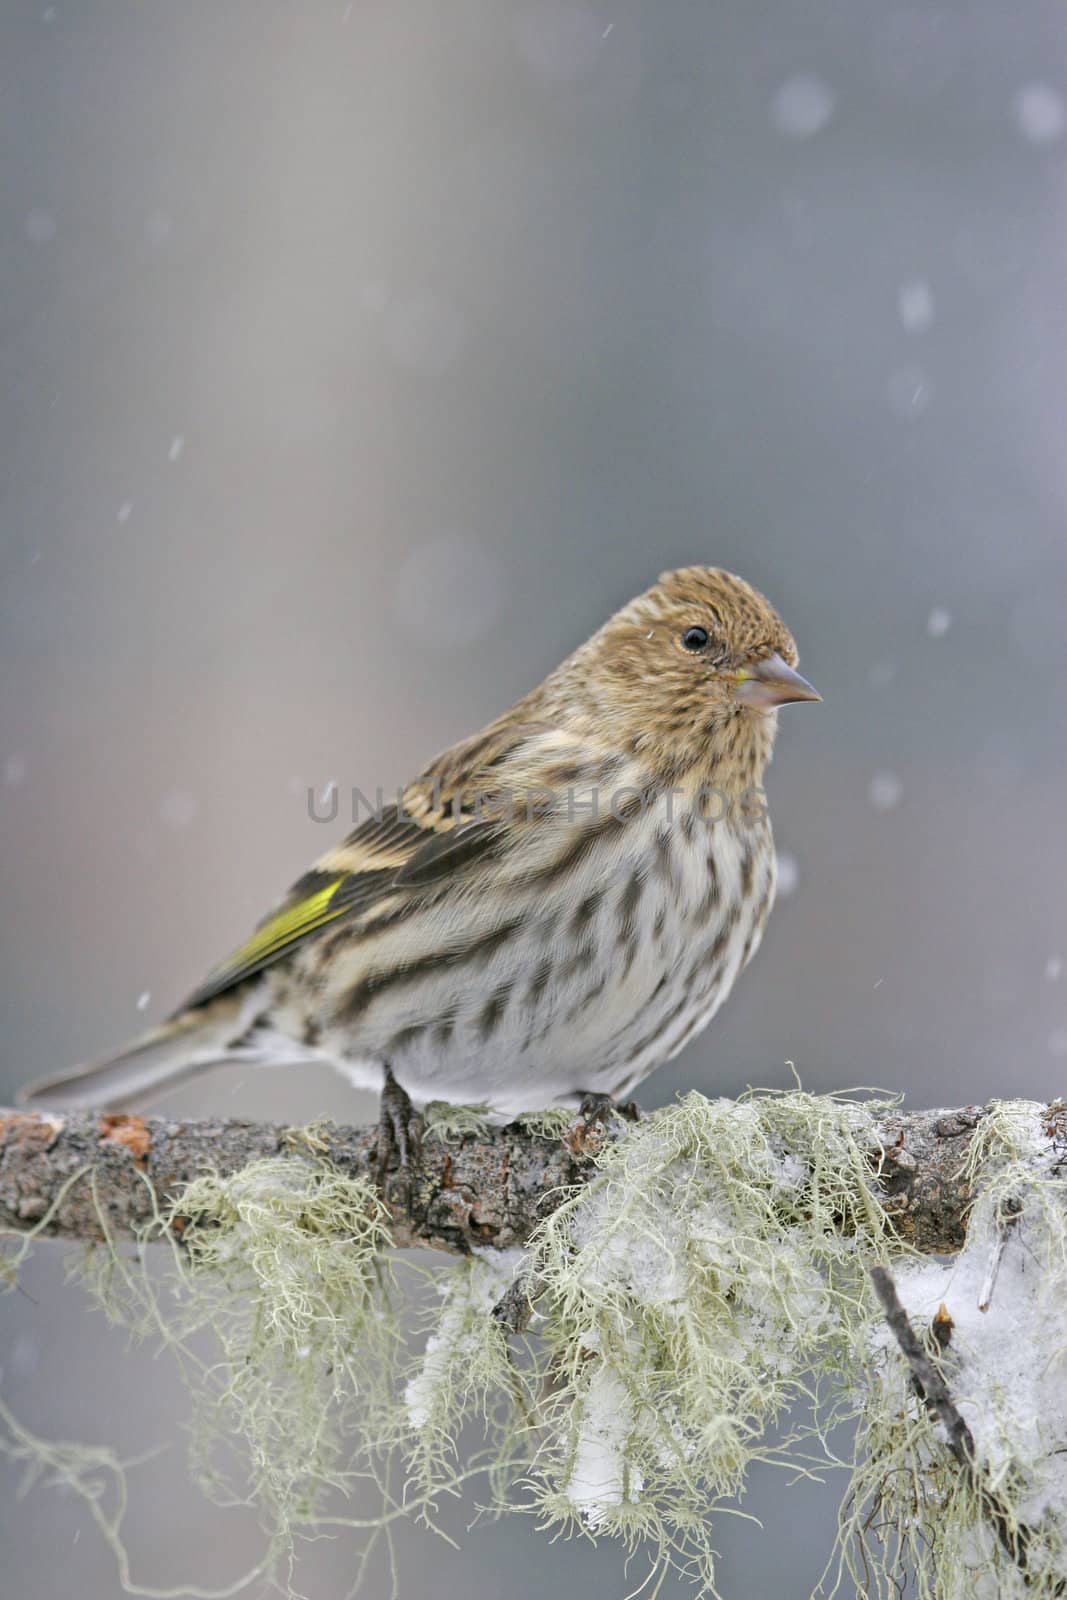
x: 553, y: 908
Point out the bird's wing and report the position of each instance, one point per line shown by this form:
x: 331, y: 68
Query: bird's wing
x: 416, y: 848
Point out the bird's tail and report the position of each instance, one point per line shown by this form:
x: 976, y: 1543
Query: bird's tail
x: 189, y: 1043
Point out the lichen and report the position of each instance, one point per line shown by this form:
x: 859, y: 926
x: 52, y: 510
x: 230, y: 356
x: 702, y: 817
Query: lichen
x: 708, y: 1278
x: 550, y: 1123
x: 16, y: 1247
x: 99, y: 1479
x: 466, y: 1373
x: 283, y: 1265
x: 449, y: 1124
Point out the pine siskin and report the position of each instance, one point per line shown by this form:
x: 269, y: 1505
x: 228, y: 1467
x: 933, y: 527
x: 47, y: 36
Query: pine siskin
x: 560, y: 903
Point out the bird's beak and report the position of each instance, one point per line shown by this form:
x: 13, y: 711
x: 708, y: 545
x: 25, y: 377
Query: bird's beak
x: 772, y: 682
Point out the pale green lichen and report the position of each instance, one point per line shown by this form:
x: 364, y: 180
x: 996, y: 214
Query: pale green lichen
x: 283, y: 1264
x: 449, y: 1124
x: 16, y: 1247
x: 708, y: 1278
x: 99, y: 1479
x: 309, y: 1138
x: 551, y: 1123
x: 466, y: 1374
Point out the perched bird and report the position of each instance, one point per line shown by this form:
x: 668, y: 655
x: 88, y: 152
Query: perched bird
x: 557, y: 906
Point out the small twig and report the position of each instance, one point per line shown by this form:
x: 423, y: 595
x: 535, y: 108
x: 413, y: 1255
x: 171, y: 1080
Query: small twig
x: 1008, y: 1214
x: 1015, y: 1537
x: 933, y: 1389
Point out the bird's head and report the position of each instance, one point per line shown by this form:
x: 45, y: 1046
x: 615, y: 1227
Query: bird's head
x: 694, y: 668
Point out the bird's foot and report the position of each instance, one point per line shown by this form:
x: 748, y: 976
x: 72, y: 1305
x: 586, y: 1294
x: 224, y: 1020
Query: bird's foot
x: 399, y: 1136
x: 598, y: 1120
x: 601, y: 1108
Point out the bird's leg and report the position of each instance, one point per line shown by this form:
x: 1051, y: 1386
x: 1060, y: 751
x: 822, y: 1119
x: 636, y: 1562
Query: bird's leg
x: 600, y: 1107
x: 399, y: 1131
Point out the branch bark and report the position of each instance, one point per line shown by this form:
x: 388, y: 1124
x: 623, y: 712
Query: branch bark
x: 485, y: 1189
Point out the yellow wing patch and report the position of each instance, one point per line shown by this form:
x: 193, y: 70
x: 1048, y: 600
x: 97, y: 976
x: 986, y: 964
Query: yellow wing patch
x: 288, y: 923
x: 295, y: 919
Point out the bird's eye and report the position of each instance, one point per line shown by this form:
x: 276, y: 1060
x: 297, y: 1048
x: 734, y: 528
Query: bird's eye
x: 695, y: 638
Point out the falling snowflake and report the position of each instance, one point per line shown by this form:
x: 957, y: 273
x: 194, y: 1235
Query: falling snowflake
x: 177, y: 445
x: 125, y: 511
x: 915, y: 305
x: 1057, y: 1042
x: 788, y: 874
x: 802, y: 106
x: 884, y: 791
x: 143, y: 999
x: 938, y: 622
x: 909, y: 393
x: 1039, y: 113
x: 1053, y: 969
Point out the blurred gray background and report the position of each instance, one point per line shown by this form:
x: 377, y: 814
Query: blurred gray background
x: 359, y: 359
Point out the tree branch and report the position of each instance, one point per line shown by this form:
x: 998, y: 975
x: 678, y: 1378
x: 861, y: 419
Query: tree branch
x: 488, y: 1188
